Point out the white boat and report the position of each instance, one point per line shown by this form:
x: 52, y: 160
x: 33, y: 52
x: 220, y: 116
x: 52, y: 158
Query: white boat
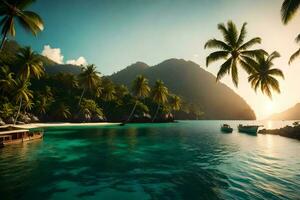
x: 250, y: 129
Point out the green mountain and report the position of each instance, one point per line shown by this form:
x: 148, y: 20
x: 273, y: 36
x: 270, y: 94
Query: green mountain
x: 50, y: 66
x: 292, y: 113
x: 194, y: 85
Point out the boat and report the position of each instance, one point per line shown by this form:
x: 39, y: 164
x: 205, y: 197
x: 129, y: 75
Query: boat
x: 13, y: 135
x: 226, y: 128
x: 250, y: 129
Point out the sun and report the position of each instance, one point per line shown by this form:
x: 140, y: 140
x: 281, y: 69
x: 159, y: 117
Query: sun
x: 269, y: 107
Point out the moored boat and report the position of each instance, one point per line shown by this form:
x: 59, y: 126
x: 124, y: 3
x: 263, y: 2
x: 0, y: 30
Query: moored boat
x: 250, y: 129
x: 226, y: 128
x: 13, y: 135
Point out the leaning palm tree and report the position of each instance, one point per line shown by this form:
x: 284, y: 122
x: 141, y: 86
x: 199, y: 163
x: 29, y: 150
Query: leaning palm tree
x: 89, y: 79
x: 175, y: 104
x: 21, y: 94
x: 289, y: 9
x: 140, y: 90
x: 234, y: 50
x: 30, y: 64
x: 160, y: 95
x: 264, y: 76
x: 12, y: 10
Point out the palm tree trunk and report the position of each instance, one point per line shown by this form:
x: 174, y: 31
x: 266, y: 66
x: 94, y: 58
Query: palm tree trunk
x: 132, y: 112
x: 18, y: 112
x: 83, y: 91
x: 156, y: 113
x: 3, y: 40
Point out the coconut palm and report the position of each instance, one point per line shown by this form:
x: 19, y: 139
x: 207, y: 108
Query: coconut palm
x: 288, y: 10
x: 175, y: 104
x: 7, y: 81
x: 62, y: 111
x: 160, y: 95
x: 21, y: 94
x: 264, y: 76
x: 89, y: 80
x: 30, y: 64
x: 108, y: 92
x: 12, y: 10
x: 140, y: 90
x: 234, y: 50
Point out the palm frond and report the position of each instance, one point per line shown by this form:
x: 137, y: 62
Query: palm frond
x: 242, y: 36
x: 294, y: 56
x: 276, y: 72
x: 225, y: 68
x: 218, y: 44
x: 234, y: 73
x: 250, y: 43
x: 232, y: 33
x: 215, y: 56
x: 288, y: 10
x: 272, y: 56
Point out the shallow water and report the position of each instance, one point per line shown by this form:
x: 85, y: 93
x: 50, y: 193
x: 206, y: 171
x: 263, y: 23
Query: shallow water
x: 185, y: 160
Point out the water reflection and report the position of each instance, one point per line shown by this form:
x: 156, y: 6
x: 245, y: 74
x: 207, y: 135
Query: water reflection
x: 182, y: 161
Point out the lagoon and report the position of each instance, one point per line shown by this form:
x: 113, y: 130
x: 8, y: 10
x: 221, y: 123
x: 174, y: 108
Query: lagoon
x: 185, y: 160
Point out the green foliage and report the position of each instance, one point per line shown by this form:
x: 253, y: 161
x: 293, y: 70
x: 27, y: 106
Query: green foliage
x: 264, y: 75
x: 288, y: 10
x: 7, y: 110
x: 234, y: 50
x: 15, y: 10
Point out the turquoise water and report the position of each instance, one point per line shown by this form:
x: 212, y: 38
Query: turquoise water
x: 185, y: 160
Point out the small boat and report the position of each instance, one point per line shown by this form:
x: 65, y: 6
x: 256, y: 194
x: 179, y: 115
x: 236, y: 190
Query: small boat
x: 252, y: 129
x: 226, y: 128
x: 13, y: 135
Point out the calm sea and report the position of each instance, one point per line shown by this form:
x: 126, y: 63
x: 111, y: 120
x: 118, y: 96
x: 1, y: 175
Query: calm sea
x: 186, y: 160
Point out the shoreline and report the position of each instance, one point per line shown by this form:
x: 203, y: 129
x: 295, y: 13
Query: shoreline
x: 60, y: 124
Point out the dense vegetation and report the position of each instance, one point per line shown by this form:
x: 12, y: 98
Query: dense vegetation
x: 28, y: 93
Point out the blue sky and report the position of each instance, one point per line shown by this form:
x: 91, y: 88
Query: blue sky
x: 116, y: 33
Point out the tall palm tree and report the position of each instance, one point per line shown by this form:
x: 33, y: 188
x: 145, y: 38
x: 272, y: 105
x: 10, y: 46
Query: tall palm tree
x: 12, y: 10
x: 175, y: 104
x: 89, y: 79
x: 160, y: 95
x: 234, y: 50
x: 7, y: 81
x: 21, y: 94
x: 140, y: 90
x: 30, y: 64
x: 264, y: 76
x: 289, y: 9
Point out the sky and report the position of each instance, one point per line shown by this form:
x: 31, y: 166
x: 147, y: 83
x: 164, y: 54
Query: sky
x: 113, y: 34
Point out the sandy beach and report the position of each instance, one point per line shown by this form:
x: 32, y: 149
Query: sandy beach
x: 44, y: 125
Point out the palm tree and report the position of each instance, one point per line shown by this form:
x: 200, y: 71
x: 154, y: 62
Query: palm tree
x: 22, y: 94
x: 288, y: 10
x: 7, y: 81
x: 234, y: 50
x: 89, y: 79
x: 175, y: 104
x: 30, y: 64
x: 140, y: 90
x: 160, y: 95
x: 264, y: 75
x: 12, y: 10
x: 108, y: 92
x: 62, y: 111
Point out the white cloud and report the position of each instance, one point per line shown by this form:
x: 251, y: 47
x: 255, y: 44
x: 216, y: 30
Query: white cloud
x: 56, y: 55
x: 53, y: 54
x: 80, y: 61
